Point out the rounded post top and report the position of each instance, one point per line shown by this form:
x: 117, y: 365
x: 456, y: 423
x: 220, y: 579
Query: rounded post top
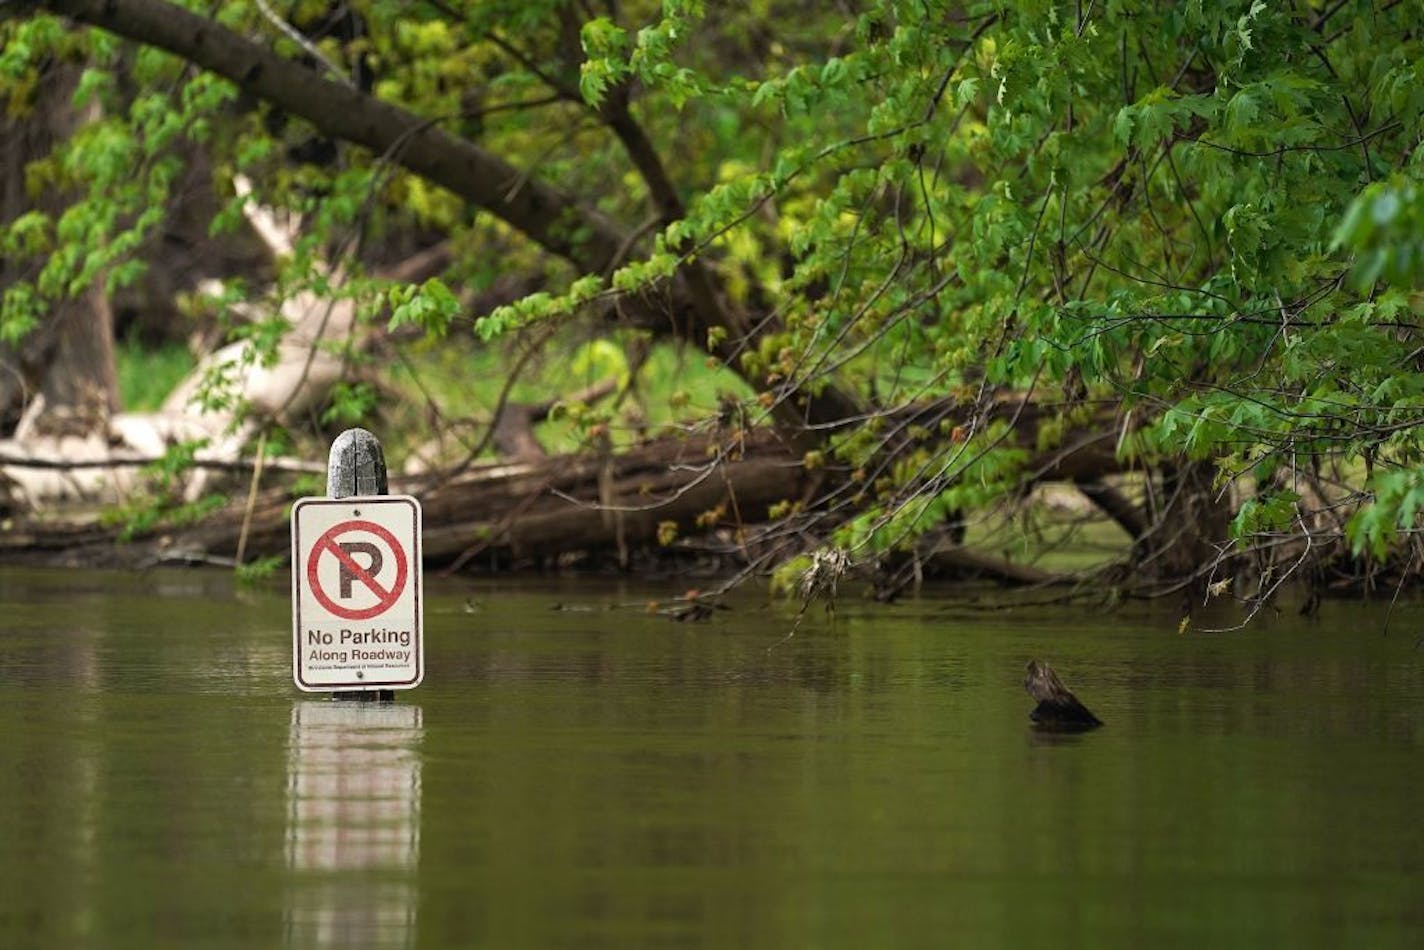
x: 356, y: 466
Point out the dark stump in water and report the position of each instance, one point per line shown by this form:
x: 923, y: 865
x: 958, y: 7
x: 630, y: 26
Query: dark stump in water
x: 1058, y: 709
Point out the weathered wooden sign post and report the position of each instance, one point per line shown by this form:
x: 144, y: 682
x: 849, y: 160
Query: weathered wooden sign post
x: 357, y: 600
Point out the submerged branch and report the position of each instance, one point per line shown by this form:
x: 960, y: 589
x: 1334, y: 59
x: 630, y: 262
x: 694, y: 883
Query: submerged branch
x: 1057, y: 709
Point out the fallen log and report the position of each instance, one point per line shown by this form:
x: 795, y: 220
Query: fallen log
x: 512, y: 514
x: 536, y: 511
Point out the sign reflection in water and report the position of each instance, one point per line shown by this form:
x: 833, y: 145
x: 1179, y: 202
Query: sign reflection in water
x: 353, y: 826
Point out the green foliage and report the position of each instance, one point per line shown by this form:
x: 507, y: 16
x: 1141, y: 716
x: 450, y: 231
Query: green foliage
x: 260, y: 571
x: 431, y: 306
x: 606, y: 45
x: 117, y: 170
x: 1273, y: 513
x: 145, y: 515
x: 1206, y: 214
x: 350, y: 404
x: 1398, y: 499
x: 1385, y: 228
x: 786, y: 579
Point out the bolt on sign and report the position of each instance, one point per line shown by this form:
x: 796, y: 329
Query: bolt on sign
x: 356, y: 593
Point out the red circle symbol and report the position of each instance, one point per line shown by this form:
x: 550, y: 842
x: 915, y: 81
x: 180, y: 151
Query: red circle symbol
x: 363, y: 575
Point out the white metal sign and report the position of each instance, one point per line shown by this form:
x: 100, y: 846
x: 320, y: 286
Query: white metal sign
x: 356, y: 593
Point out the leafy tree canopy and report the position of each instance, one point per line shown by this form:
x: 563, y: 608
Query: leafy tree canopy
x: 1189, y: 228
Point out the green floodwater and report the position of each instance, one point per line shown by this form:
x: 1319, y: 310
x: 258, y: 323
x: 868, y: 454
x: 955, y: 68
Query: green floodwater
x: 601, y: 777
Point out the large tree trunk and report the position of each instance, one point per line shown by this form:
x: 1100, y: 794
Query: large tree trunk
x: 61, y: 379
x: 78, y: 388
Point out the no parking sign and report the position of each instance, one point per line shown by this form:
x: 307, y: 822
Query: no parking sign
x: 356, y: 593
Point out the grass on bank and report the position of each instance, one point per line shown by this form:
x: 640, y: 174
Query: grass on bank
x: 148, y: 374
